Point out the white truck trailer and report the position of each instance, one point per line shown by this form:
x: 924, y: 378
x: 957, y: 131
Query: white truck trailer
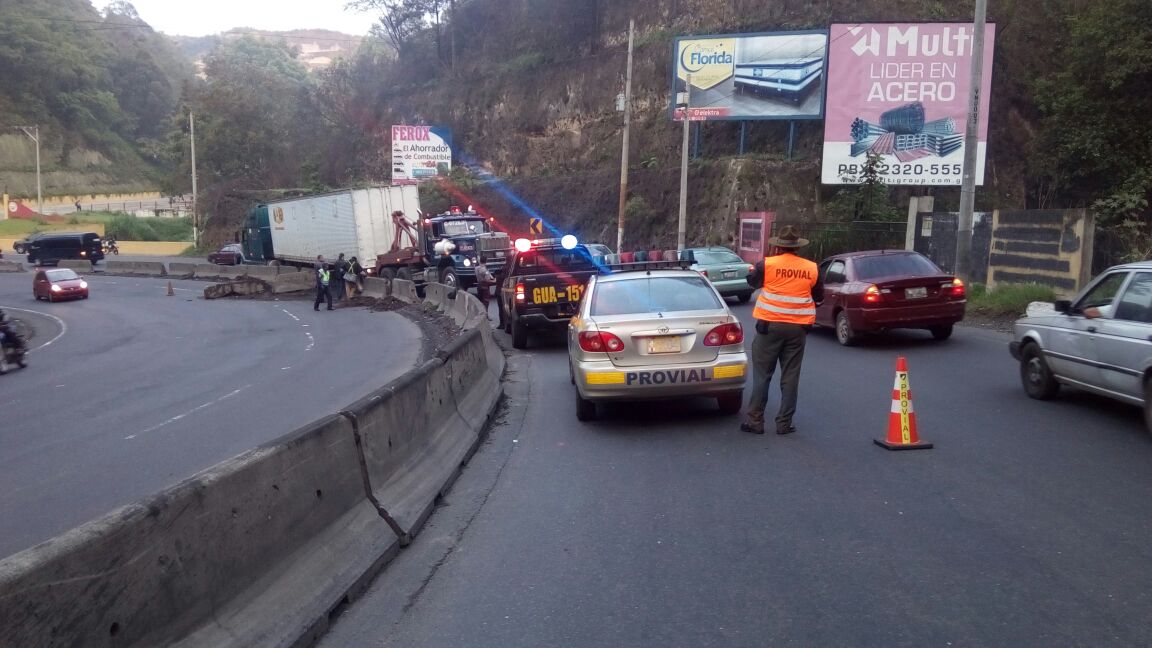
x: 355, y: 222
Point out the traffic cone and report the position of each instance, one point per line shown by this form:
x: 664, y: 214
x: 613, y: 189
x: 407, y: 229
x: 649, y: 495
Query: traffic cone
x: 902, y: 418
x: 170, y: 291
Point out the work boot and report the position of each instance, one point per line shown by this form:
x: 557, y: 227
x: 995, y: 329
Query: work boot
x: 754, y: 424
x: 785, y: 428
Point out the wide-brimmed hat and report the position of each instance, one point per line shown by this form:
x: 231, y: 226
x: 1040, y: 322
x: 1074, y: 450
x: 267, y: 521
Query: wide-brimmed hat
x: 788, y: 238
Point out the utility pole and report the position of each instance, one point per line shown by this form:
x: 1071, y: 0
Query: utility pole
x: 963, y: 267
x: 195, y: 216
x: 624, y: 148
x: 33, y: 133
x: 682, y: 226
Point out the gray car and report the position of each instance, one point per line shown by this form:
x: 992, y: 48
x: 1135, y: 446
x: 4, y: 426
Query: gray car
x: 654, y: 334
x: 1100, y: 342
x: 726, y: 270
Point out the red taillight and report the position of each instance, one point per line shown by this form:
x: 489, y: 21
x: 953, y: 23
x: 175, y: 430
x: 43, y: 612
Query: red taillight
x: 520, y: 292
x: 872, y: 294
x: 724, y: 335
x: 703, y: 272
x: 600, y: 342
x: 957, y: 288
x: 751, y: 269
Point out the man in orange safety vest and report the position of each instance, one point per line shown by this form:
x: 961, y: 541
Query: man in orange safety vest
x: 790, y: 288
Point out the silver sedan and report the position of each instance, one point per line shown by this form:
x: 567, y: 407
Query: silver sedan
x: 1099, y: 342
x: 654, y: 334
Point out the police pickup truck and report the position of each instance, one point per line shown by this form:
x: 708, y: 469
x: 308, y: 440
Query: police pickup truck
x: 542, y: 286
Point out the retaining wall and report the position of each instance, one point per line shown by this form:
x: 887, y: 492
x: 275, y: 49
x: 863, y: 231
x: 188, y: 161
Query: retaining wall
x: 259, y: 550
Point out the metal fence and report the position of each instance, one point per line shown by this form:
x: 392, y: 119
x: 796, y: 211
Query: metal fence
x: 829, y: 238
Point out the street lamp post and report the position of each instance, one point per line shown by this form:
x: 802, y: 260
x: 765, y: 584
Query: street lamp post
x: 681, y: 229
x: 33, y: 132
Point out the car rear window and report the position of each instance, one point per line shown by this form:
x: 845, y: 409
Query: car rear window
x: 61, y: 274
x: 554, y: 260
x: 894, y: 265
x: 709, y: 257
x: 647, y: 294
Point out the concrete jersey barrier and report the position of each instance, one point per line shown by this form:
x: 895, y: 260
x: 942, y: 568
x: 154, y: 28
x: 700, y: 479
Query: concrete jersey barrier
x: 79, y: 265
x: 11, y: 266
x: 255, y: 551
x: 377, y: 288
x: 141, y: 268
x: 181, y: 269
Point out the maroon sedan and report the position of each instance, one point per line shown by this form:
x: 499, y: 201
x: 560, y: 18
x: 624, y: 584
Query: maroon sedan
x: 59, y: 283
x: 880, y: 290
x: 231, y: 254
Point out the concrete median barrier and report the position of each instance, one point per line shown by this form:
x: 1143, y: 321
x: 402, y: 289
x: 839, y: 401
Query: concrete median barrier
x: 79, y: 265
x: 255, y: 551
x: 11, y: 266
x: 405, y: 291
x: 377, y: 288
x: 414, y: 442
x: 262, y: 272
x: 136, y: 268
x: 214, y: 271
x: 437, y: 295
x: 179, y: 269
x: 293, y: 282
x: 231, y: 288
x: 475, y: 389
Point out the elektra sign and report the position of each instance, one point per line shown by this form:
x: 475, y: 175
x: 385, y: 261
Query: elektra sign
x: 900, y: 91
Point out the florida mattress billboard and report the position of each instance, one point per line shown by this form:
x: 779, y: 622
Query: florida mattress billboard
x: 420, y: 153
x: 901, y: 91
x: 776, y: 75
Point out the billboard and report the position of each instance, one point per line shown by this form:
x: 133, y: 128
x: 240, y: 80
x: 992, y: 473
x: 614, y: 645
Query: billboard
x: 751, y: 76
x: 420, y: 153
x: 901, y: 91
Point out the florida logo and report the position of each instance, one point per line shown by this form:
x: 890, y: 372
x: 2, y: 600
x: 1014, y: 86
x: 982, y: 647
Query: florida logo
x: 709, y: 61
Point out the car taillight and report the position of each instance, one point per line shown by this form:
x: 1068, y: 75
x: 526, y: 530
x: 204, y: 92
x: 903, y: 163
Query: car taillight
x: 957, y: 287
x: 751, y: 269
x: 724, y: 334
x: 703, y: 272
x: 520, y: 292
x: 600, y: 342
x: 872, y: 294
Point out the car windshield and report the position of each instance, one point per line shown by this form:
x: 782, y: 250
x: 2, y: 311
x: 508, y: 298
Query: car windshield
x: 646, y: 294
x: 61, y: 274
x: 461, y: 227
x: 894, y: 265
x: 713, y: 257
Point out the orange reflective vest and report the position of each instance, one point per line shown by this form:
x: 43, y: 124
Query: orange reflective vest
x: 787, y: 293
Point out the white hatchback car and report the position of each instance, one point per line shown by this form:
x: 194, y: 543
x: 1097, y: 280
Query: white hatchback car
x: 654, y: 334
x: 1100, y: 342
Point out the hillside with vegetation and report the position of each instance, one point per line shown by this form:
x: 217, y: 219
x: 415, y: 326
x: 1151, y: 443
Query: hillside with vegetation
x: 528, y: 88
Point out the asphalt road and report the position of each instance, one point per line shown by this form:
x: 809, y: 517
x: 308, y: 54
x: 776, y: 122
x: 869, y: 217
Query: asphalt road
x: 664, y: 526
x: 142, y: 390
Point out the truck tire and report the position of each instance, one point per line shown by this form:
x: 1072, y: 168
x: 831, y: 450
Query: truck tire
x: 387, y: 273
x: 519, y: 335
x: 404, y: 273
x: 448, y: 278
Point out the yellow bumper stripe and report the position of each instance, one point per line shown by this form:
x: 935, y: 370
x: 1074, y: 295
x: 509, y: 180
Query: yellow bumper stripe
x: 729, y: 371
x: 605, y: 378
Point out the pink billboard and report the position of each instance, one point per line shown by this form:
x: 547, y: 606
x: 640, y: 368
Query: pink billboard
x: 900, y: 91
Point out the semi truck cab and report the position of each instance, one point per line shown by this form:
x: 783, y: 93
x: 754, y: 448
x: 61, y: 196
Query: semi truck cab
x: 473, y: 238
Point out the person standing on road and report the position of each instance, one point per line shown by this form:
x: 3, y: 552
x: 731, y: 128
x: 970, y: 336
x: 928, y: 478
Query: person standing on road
x: 353, y: 276
x: 786, y: 307
x: 323, y: 284
x: 484, y: 282
x: 338, y: 286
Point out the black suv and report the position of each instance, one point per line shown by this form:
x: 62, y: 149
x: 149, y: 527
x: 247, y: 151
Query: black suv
x: 50, y: 249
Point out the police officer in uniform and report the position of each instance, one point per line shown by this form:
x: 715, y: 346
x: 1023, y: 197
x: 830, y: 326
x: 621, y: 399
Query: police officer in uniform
x: 786, y: 307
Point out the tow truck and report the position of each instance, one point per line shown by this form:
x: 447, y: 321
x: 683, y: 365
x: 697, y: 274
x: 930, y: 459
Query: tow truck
x: 542, y: 286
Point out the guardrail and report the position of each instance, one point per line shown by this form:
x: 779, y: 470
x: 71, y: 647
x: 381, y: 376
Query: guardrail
x: 261, y: 549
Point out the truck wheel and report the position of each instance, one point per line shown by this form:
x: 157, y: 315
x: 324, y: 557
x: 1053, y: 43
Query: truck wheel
x: 404, y: 273
x: 519, y: 335
x: 387, y: 273
x: 448, y: 278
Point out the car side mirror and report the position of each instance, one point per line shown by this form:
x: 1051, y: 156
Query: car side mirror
x: 1063, y: 306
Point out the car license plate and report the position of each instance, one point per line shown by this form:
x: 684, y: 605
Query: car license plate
x: 669, y: 344
x: 915, y: 293
x: 729, y: 274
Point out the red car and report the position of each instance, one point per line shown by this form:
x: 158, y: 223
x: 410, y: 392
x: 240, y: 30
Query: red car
x: 55, y: 284
x: 880, y: 290
x: 231, y: 254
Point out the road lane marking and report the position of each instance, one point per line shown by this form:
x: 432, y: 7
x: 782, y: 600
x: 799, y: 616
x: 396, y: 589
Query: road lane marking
x: 63, y: 326
x: 290, y: 314
x: 311, y: 342
x: 188, y: 413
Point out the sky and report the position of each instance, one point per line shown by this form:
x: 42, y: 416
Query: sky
x: 205, y: 17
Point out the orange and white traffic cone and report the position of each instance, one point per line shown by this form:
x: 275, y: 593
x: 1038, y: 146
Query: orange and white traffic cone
x: 902, y: 418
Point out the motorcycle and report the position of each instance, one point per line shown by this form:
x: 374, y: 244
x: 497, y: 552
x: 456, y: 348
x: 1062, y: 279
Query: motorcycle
x: 110, y: 247
x: 12, y: 349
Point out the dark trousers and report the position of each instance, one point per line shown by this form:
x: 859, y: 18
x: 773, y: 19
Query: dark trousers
x: 322, y: 293
x: 782, y: 344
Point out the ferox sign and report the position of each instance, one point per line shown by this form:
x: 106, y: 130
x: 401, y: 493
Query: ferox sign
x: 900, y: 91
x: 776, y: 75
x: 420, y: 153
